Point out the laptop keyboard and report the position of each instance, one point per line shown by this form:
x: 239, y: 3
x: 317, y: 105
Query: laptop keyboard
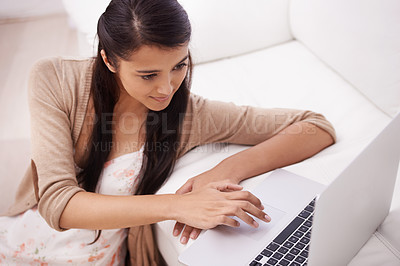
x: 290, y: 247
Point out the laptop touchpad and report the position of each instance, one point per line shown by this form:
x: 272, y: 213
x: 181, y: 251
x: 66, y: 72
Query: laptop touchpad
x: 255, y: 233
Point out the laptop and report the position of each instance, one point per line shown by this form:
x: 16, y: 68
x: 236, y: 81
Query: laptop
x: 311, y: 224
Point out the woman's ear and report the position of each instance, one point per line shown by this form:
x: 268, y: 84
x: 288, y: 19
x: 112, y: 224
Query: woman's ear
x: 105, y: 59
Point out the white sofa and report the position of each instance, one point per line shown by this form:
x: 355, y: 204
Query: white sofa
x: 337, y: 57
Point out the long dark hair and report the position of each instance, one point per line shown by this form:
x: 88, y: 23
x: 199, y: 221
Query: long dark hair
x: 125, y: 26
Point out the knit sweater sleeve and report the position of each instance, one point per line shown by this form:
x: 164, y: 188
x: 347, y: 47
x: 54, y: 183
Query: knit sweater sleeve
x: 51, y: 141
x: 208, y: 121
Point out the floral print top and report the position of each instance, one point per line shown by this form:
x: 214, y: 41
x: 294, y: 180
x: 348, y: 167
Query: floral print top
x: 27, y: 239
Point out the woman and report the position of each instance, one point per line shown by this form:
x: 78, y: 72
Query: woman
x: 107, y: 128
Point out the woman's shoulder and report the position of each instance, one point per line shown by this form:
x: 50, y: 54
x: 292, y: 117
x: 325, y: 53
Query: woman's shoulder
x: 64, y: 81
x: 60, y: 64
x: 60, y: 71
x: 196, y: 101
x: 202, y: 106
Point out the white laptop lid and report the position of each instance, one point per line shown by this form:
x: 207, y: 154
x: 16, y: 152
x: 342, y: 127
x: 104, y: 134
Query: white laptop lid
x: 352, y: 207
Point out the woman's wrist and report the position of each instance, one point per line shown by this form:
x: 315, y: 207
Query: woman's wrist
x: 227, y: 171
x: 170, y: 206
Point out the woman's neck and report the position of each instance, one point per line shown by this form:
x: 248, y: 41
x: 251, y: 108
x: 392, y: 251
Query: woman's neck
x: 128, y: 104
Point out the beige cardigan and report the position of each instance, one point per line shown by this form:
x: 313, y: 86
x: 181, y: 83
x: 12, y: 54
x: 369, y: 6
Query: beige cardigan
x: 59, y: 90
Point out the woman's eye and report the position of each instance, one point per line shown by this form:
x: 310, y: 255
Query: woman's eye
x: 180, y: 66
x: 148, y: 77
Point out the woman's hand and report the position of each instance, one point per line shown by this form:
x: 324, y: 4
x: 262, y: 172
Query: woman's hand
x: 203, y: 180
x: 214, y: 204
x: 191, y: 184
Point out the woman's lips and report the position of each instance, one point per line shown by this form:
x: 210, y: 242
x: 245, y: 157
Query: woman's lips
x: 160, y: 99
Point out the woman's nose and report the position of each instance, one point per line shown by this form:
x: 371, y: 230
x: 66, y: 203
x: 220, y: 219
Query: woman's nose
x: 165, y: 87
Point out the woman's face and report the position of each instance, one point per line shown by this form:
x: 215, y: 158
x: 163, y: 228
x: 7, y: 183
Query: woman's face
x: 152, y: 75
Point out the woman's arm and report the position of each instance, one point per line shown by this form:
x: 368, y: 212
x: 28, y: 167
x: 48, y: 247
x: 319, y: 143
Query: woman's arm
x: 205, y: 208
x: 295, y: 143
x: 95, y: 211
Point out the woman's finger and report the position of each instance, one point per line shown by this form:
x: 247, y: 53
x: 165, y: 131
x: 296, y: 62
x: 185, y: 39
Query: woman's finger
x: 245, y: 196
x: 178, y: 228
x: 230, y: 188
x: 226, y: 186
x: 195, y: 233
x: 242, y: 215
x: 186, y: 233
x: 226, y: 220
x: 244, y: 208
x: 187, y: 187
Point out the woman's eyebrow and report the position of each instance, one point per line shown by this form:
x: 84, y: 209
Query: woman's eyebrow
x: 183, y: 59
x: 152, y: 71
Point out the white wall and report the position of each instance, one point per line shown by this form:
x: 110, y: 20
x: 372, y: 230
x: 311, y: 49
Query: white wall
x: 11, y: 9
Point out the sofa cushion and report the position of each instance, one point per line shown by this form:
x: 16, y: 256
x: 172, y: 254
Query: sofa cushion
x: 289, y: 75
x: 383, y: 248
x: 359, y: 40
x: 226, y: 28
